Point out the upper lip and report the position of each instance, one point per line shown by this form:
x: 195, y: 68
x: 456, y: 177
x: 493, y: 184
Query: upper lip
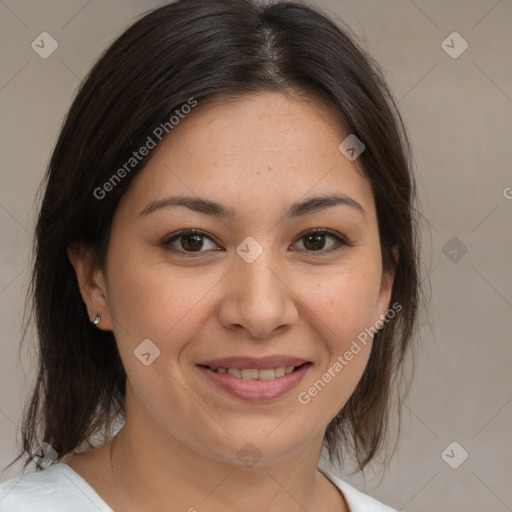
x: 259, y: 363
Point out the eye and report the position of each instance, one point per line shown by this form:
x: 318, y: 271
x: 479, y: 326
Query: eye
x: 314, y: 240
x: 190, y: 241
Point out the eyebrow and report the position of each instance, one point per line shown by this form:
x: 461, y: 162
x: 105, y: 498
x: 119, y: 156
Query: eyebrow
x: 207, y: 207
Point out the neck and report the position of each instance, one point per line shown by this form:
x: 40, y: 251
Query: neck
x: 190, y: 481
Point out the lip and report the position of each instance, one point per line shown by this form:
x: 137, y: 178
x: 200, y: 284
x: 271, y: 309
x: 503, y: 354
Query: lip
x: 256, y: 390
x: 259, y: 363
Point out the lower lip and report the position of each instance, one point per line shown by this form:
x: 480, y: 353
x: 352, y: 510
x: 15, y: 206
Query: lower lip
x: 256, y: 390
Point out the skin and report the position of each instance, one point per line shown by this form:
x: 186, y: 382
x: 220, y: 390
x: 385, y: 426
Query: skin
x: 257, y: 154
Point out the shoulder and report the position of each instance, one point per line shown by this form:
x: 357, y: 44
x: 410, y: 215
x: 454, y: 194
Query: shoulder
x: 356, y: 500
x: 56, y: 489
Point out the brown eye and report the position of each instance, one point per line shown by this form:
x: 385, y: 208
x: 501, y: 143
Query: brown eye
x: 188, y: 242
x: 315, y: 241
x: 191, y: 242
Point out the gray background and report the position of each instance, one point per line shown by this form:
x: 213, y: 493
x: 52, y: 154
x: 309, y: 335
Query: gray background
x: 459, y: 115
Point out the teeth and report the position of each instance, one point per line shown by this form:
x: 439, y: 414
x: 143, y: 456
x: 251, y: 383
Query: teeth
x: 281, y: 371
x: 255, y: 374
x: 249, y: 374
x: 264, y: 374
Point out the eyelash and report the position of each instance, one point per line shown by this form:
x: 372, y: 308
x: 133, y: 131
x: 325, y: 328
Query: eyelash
x: 166, y: 244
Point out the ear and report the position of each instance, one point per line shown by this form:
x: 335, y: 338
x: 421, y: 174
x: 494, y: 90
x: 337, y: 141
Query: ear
x: 92, y: 285
x: 386, y: 287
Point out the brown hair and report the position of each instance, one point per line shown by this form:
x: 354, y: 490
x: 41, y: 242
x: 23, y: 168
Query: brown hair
x: 201, y: 49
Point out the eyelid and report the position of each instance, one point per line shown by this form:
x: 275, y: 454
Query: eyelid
x: 341, y: 241
x: 166, y: 242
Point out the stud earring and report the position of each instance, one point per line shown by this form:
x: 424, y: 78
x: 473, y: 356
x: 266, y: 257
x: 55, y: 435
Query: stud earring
x: 97, y: 320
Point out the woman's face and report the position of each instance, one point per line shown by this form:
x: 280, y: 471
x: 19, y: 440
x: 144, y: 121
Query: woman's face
x: 251, y: 285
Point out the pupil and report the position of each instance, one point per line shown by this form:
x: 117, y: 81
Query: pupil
x: 318, y: 238
x: 197, y: 244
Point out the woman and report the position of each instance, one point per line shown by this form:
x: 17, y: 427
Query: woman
x: 226, y: 264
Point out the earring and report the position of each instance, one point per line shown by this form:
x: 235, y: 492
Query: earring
x: 97, y: 320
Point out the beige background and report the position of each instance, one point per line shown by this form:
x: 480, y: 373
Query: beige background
x: 459, y: 115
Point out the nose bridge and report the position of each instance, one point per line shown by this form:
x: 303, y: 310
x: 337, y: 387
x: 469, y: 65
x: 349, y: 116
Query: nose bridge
x: 257, y: 266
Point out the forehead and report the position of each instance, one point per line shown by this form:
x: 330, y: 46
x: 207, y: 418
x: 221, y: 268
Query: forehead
x: 263, y: 121
x: 266, y: 147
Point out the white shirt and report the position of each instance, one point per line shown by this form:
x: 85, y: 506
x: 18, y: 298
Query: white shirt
x: 59, y: 488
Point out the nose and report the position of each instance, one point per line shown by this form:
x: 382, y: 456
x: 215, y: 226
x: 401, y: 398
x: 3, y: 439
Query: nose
x: 258, y: 298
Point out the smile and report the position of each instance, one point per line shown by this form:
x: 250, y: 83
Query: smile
x: 255, y: 374
x: 255, y: 385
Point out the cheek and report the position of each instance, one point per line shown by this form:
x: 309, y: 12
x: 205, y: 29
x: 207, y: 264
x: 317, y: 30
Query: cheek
x: 344, y: 301
x: 153, y: 301
x: 343, y: 309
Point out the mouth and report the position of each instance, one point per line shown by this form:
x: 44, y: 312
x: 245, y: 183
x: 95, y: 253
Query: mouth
x: 255, y: 380
x: 254, y: 373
